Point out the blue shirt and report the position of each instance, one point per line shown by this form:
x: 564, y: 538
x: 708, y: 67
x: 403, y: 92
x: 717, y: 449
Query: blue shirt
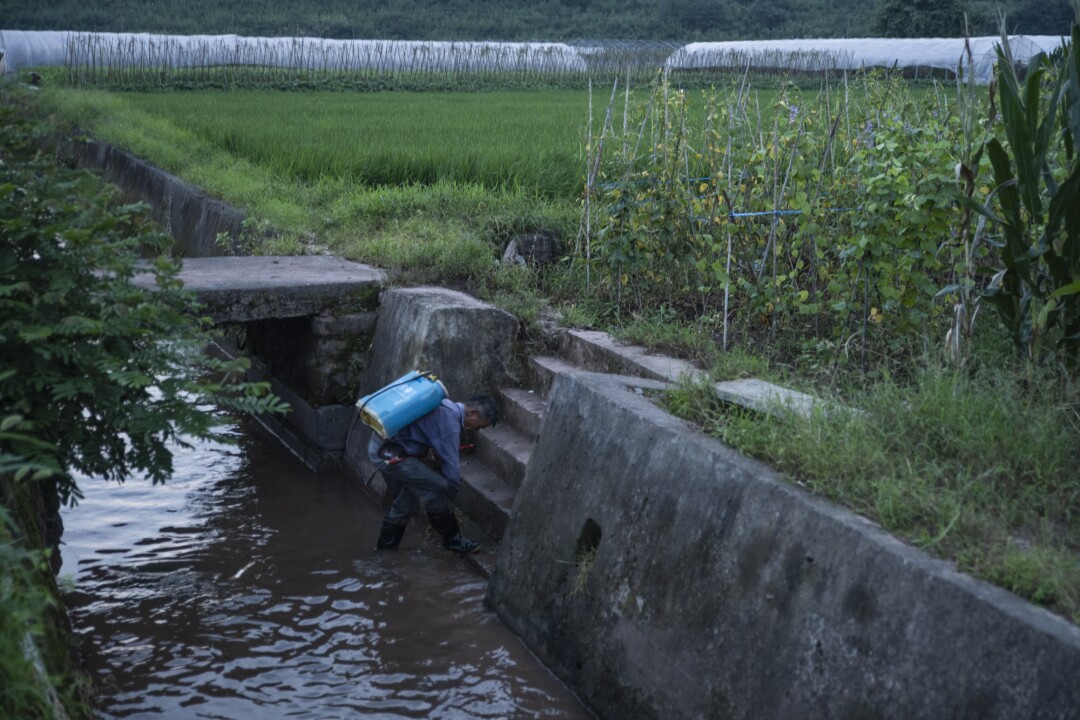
x: 439, y: 430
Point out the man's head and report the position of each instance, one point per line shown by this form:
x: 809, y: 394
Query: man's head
x: 480, y: 412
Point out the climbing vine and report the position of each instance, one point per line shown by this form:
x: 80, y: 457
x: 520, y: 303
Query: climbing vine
x: 833, y: 212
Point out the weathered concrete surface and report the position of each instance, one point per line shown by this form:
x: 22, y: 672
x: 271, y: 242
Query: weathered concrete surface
x: 720, y: 591
x: 598, y: 351
x: 315, y: 435
x: 765, y: 397
x: 467, y: 343
x: 325, y: 368
x: 522, y: 409
x: 194, y: 219
x: 243, y: 289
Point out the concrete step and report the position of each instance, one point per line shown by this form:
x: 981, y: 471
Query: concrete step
x: 599, y: 352
x: 542, y: 372
x: 484, y: 498
x: 522, y: 410
x: 493, y: 472
x: 494, y: 469
x: 484, y: 558
x: 505, y: 452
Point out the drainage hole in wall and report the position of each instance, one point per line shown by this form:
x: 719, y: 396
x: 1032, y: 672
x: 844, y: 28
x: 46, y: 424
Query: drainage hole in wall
x: 585, y: 554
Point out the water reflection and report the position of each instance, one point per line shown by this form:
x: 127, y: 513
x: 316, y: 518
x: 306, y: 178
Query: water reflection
x: 247, y: 587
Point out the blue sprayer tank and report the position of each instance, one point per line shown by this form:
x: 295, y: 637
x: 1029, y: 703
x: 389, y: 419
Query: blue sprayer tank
x: 407, y: 399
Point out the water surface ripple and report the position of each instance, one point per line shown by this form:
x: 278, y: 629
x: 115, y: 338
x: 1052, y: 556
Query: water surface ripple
x: 247, y: 587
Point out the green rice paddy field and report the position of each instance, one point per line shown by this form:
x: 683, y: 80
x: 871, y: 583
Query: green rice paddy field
x: 495, y: 139
x: 408, y: 180
x: 498, y: 140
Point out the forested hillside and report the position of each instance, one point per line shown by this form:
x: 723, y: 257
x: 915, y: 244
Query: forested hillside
x: 567, y: 20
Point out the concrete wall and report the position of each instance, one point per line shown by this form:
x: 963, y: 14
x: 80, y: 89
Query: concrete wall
x: 193, y: 218
x: 467, y: 343
x: 720, y: 591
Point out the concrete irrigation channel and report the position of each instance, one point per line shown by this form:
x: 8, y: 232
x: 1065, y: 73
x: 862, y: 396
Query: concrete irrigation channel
x: 655, y: 570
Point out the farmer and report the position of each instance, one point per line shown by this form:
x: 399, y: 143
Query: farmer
x: 421, y: 465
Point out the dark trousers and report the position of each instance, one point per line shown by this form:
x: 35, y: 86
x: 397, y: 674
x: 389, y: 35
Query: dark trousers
x: 418, y: 485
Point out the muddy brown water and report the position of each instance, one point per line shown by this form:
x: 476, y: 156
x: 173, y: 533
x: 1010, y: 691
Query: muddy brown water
x: 248, y: 587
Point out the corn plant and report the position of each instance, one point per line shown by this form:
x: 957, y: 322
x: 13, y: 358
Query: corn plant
x: 973, y: 234
x: 1037, y: 203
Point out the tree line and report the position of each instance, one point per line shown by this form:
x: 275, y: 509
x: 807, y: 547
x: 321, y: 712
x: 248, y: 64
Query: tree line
x: 548, y: 20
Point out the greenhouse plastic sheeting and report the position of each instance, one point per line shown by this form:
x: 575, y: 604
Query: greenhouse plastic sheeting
x: 857, y: 53
x: 33, y: 49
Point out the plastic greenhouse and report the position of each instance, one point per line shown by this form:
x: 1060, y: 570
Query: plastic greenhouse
x: 26, y: 49
x: 858, y: 53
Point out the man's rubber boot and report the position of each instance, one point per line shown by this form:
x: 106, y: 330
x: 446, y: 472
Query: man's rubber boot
x: 390, y: 536
x: 446, y: 525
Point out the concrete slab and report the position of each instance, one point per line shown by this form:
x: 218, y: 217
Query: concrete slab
x: 467, y: 343
x: 599, y: 352
x: 243, y: 289
x: 765, y: 397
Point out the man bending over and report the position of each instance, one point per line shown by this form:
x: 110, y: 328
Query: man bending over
x: 422, y: 466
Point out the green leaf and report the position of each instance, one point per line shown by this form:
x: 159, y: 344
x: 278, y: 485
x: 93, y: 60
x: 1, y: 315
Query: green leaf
x: 10, y: 421
x: 1021, y: 127
x: 1046, y: 316
x: 1015, y: 252
x: 82, y: 345
x: 1072, y: 89
x: 1070, y: 289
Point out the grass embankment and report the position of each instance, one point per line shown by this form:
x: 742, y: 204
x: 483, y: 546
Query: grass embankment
x: 975, y: 466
